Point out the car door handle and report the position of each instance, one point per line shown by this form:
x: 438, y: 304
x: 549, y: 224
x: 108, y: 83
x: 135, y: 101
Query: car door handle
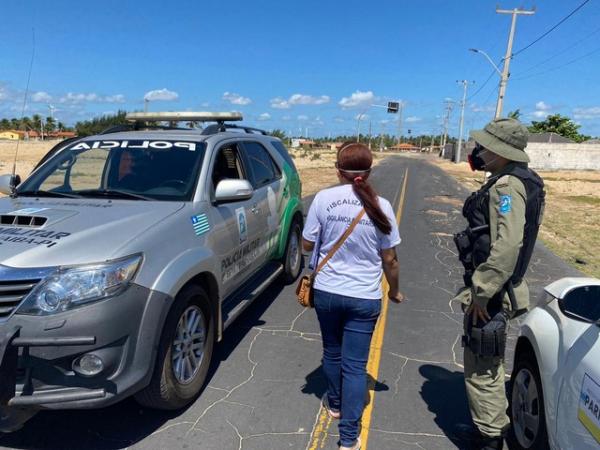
x: 255, y: 209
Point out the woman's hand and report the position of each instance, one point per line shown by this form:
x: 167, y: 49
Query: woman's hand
x: 396, y: 297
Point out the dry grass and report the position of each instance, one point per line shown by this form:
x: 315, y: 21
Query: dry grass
x: 29, y: 154
x: 316, y: 168
x: 571, y: 228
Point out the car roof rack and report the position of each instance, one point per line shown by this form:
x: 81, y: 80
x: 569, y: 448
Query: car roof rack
x: 222, y: 127
x: 181, y: 116
x: 148, y: 120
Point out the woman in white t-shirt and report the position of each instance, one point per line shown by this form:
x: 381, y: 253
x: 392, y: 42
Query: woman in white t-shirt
x: 348, y: 289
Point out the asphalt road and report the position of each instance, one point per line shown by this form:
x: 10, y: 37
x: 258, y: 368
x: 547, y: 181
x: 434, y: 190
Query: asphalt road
x: 265, y: 383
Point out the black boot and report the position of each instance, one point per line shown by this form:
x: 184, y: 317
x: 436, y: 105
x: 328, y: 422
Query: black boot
x: 470, y: 438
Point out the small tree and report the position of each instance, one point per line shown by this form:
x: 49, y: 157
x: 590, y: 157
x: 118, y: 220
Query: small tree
x: 516, y: 114
x: 278, y: 134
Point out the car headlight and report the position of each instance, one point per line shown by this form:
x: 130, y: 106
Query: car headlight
x: 71, y: 287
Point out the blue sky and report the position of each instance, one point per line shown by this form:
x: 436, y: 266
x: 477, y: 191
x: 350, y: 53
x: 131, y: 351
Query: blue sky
x: 299, y: 65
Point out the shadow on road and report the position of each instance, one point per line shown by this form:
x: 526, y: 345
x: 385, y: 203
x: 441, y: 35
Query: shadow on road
x: 126, y: 423
x: 316, y: 384
x: 445, y: 395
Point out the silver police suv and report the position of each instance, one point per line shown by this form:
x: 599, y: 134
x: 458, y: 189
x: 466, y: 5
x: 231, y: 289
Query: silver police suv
x: 124, y: 256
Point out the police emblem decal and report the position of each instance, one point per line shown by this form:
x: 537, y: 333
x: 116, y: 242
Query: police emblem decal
x: 505, y: 204
x: 240, y: 213
x: 200, y: 224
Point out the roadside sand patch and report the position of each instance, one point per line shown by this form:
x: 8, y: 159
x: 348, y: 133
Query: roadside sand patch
x: 571, y: 226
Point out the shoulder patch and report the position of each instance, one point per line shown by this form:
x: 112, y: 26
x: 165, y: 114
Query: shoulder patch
x: 505, y: 204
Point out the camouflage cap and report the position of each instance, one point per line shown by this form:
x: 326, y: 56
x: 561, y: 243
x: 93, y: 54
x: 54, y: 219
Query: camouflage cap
x: 505, y: 137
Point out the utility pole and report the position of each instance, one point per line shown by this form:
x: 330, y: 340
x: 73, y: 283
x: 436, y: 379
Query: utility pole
x: 370, y: 123
x: 465, y: 84
x: 505, y: 73
x: 449, y: 105
x: 400, y: 122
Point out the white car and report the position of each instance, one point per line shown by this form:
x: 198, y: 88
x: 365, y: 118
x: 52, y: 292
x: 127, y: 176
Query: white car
x: 555, y: 383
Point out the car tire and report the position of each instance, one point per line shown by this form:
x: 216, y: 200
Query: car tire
x: 526, y: 405
x: 177, y: 379
x: 292, y: 258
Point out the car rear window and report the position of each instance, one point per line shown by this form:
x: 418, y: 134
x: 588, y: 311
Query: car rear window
x: 283, y: 152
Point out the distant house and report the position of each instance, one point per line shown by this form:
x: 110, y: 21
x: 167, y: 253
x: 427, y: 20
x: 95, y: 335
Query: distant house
x: 333, y: 145
x: 306, y: 143
x: 61, y: 135
x: 404, y: 147
x: 10, y: 135
x: 549, y: 138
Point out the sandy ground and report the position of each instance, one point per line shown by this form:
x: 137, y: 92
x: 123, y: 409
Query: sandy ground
x: 317, y: 170
x: 571, y: 228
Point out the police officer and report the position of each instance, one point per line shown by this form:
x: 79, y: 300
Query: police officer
x: 504, y: 217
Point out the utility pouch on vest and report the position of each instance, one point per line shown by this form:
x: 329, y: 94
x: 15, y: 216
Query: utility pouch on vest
x: 488, y: 340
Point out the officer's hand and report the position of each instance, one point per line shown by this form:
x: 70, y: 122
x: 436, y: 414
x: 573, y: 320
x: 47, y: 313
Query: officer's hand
x: 478, y: 313
x: 397, y: 297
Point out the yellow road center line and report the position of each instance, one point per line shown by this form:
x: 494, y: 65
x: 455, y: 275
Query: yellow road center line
x: 377, y: 339
x: 321, y: 427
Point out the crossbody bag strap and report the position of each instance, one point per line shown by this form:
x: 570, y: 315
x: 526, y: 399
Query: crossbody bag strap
x: 340, y: 241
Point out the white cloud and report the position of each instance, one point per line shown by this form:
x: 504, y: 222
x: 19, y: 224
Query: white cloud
x: 298, y: 99
x: 540, y: 114
x: 339, y: 120
x: 302, y: 117
x: 483, y: 108
x: 280, y: 103
x: 73, y: 98
x: 117, y: 98
x: 286, y: 118
x: 413, y: 119
x: 587, y: 113
x: 264, y: 116
x: 358, y: 98
x: 41, y: 97
x: 361, y: 117
x: 236, y: 99
x: 542, y: 106
x: 161, y: 94
x: 205, y: 104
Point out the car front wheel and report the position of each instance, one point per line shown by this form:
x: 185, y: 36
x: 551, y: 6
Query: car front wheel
x: 184, y: 353
x: 527, y: 405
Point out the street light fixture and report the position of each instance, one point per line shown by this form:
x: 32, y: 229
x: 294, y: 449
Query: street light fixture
x: 476, y: 50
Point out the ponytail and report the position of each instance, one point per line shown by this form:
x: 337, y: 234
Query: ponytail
x: 354, y: 164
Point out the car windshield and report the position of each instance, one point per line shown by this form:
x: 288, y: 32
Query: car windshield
x: 124, y: 169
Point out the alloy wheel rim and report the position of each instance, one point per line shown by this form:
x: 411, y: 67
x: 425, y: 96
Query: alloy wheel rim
x: 525, y: 408
x: 188, y: 346
x: 294, y: 251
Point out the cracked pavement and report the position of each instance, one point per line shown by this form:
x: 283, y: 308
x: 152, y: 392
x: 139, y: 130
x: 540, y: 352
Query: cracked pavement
x: 265, y: 383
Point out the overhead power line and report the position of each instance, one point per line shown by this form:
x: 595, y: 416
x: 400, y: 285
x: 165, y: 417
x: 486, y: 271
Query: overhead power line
x: 596, y: 50
x: 474, y: 94
x: 565, y: 50
x: 563, y: 20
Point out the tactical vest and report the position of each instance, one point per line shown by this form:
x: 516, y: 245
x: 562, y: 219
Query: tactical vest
x: 474, y: 248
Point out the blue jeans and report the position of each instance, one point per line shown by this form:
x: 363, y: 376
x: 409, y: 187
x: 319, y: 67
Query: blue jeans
x: 347, y: 325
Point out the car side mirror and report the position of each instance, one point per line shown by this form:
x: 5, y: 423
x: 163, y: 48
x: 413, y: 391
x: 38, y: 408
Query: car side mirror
x: 233, y: 190
x: 8, y: 183
x: 582, y: 303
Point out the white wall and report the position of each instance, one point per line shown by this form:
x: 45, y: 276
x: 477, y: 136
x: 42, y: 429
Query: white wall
x: 564, y: 156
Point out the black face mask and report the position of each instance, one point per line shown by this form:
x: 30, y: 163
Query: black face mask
x: 475, y: 161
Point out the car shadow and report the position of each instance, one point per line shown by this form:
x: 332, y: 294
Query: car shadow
x: 126, y: 423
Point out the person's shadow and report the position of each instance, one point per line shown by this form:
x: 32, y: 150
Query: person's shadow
x: 316, y: 384
x: 446, y: 397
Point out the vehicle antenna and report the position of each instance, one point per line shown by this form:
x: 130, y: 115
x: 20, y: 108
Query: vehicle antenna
x: 13, y: 182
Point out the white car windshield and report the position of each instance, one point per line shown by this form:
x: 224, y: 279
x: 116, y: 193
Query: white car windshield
x: 131, y: 169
